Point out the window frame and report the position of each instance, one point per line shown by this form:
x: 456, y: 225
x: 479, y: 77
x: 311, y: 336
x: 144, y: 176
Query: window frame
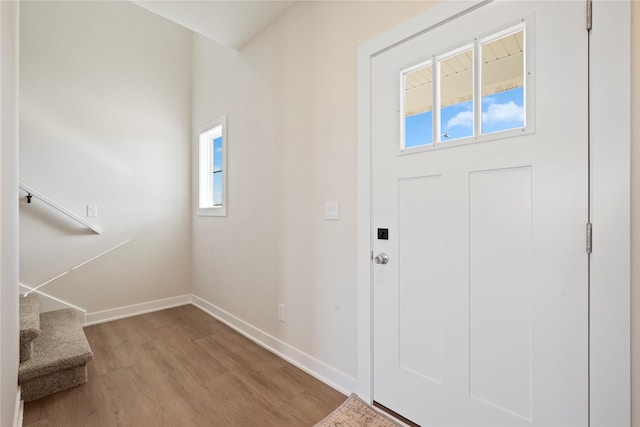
x: 526, y: 24
x: 204, y: 152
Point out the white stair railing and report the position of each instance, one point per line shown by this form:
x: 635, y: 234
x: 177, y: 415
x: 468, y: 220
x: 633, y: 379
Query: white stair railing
x: 33, y: 193
x: 31, y: 289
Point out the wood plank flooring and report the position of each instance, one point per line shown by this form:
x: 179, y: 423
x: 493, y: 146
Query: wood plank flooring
x: 181, y: 367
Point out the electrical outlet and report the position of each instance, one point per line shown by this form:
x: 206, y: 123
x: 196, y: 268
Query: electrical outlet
x: 282, y: 312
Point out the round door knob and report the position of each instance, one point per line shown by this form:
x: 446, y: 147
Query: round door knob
x: 382, y: 258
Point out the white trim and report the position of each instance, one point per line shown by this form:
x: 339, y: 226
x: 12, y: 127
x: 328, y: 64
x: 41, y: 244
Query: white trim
x: 50, y: 303
x: 36, y: 289
x: 18, y: 413
x: 136, y: 309
x: 314, y: 367
x: 610, y: 261
x: 610, y: 345
x: 57, y: 206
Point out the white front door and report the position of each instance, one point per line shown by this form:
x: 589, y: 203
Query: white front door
x: 481, y: 312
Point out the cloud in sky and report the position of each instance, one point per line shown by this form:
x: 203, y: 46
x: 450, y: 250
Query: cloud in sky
x: 508, y: 112
x: 463, y: 118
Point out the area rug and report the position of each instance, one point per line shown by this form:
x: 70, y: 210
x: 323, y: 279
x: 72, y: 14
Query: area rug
x: 354, y: 412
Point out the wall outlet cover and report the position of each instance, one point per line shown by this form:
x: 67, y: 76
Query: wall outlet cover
x: 332, y: 211
x: 282, y: 312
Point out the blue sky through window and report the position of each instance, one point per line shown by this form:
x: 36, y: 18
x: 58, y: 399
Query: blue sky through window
x: 501, y: 111
x: 217, y: 166
x: 419, y: 129
x: 456, y: 121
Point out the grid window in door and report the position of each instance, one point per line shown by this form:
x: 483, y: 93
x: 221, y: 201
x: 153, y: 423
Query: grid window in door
x: 479, y: 90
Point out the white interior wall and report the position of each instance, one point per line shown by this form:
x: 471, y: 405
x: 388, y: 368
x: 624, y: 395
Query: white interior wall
x: 290, y: 96
x: 105, y: 113
x: 239, y: 251
x: 9, y: 25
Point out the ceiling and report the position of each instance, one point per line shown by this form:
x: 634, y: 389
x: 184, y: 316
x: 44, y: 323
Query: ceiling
x: 232, y: 23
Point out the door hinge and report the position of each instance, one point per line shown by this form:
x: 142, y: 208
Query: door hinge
x: 371, y: 256
x: 589, y: 237
x: 589, y: 14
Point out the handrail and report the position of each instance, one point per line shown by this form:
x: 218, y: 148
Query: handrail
x: 76, y: 267
x: 31, y: 192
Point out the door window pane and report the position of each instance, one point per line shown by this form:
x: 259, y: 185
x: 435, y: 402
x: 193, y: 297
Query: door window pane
x: 456, y: 96
x: 418, y: 107
x: 503, y: 83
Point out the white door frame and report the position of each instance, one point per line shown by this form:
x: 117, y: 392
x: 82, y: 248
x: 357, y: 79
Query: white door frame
x: 610, y: 202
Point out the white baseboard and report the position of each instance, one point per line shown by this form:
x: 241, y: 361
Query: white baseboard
x: 19, y: 410
x: 136, y: 309
x: 51, y: 303
x: 314, y: 367
x: 320, y: 370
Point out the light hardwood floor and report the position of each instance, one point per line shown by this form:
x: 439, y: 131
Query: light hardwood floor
x: 181, y: 367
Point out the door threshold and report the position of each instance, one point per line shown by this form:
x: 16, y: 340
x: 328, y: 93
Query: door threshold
x: 395, y: 415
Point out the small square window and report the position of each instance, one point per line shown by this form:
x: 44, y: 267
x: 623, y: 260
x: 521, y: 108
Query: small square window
x: 211, y: 174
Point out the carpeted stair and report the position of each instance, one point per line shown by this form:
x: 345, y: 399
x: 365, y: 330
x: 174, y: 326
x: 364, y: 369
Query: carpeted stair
x: 54, y: 351
x: 29, y: 325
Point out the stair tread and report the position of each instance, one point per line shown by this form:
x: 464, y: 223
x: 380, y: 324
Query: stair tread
x: 29, y: 317
x: 61, y: 344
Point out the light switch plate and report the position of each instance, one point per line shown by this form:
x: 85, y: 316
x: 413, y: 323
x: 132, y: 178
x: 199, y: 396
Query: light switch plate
x: 332, y: 211
x: 92, y: 211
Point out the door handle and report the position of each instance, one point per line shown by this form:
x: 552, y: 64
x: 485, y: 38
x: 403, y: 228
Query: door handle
x: 381, y: 258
